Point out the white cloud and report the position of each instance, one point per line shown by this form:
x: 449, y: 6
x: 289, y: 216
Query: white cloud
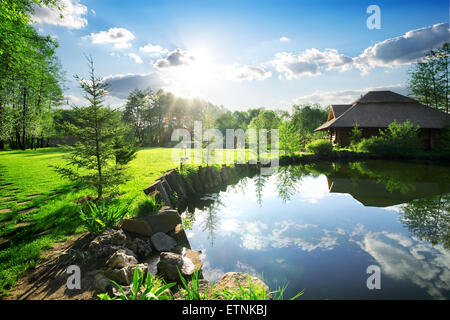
x: 153, y: 50
x: 120, y: 85
x: 402, y: 50
x: 400, y: 260
x: 345, y: 96
x: 73, y: 13
x: 405, y: 49
x: 135, y: 57
x: 310, y: 62
x: 119, y: 37
x: 175, y: 58
x: 284, y: 39
x: 240, y: 73
x: 73, y: 99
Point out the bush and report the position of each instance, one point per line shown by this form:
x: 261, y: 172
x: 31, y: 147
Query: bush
x: 444, y: 141
x: 322, y: 148
x: 97, y: 218
x: 396, y: 140
x: 355, y: 136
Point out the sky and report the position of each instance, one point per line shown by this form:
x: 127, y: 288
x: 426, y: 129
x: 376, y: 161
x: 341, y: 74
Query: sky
x: 245, y: 54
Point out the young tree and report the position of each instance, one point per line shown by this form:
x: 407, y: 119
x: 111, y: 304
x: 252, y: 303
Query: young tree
x: 94, y: 160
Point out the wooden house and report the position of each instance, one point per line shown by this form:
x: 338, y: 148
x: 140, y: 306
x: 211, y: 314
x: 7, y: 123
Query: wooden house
x: 376, y: 110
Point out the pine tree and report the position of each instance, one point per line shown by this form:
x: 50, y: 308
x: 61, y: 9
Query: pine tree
x: 96, y: 160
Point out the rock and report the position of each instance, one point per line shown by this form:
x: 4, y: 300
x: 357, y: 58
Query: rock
x: 194, y: 256
x: 101, y: 283
x: 165, y: 220
x: 180, y: 236
x: 228, y: 282
x: 163, y: 242
x: 104, y: 245
x: 169, y: 264
x: 124, y: 276
x: 143, y: 248
x: 121, y: 259
x: 137, y: 226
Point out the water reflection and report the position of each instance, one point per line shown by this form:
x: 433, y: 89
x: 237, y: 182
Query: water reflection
x: 319, y: 226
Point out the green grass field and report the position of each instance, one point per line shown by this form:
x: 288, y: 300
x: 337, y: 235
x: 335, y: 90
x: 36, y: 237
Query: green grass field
x: 39, y: 208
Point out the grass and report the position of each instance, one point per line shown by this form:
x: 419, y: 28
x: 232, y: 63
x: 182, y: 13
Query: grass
x: 39, y: 208
x: 154, y: 288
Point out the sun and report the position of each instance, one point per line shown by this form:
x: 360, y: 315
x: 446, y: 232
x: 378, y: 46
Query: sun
x: 199, y: 76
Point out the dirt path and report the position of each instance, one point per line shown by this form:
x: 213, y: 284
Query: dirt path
x: 48, y: 280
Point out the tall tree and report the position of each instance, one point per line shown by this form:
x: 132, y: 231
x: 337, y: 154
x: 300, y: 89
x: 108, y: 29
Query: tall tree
x: 429, y: 78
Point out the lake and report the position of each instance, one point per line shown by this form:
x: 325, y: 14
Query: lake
x: 319, y: 227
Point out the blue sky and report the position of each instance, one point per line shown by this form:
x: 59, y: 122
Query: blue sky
x: 244, y: 54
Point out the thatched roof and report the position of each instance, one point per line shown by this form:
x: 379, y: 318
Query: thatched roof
x: 337, y: 109
x: 377, y: 109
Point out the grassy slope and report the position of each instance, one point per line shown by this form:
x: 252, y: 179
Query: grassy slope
x: 55, y: 214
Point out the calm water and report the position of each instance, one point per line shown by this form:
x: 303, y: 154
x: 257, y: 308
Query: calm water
x: 319, y: 227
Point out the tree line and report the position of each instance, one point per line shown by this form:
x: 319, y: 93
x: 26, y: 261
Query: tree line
x: 30, y: 76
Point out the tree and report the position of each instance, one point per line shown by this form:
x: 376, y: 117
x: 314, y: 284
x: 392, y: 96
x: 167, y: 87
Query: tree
x: 429, y: 78
x: 30, y: 74
x: 94, y: 159
x: 137, y: 112
x: 289, y: 138
x: 307, y: 118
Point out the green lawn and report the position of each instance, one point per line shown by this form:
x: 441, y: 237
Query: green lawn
x: 39, y: 208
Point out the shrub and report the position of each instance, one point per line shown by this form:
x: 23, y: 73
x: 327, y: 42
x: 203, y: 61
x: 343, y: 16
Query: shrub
x: 355, y: 136
x: 97, y: 218
x: 149, y: 204
x: 322, y: 148
x: 154, y: 288
x: 396, y: 140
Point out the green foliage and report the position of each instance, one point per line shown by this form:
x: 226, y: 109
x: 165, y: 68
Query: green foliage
x: 396, y: 140
x: 149, y: 204
x: 355, y: 136
x: 289, y: 138
x: 306, y: 118
x: 97, y: 218
x: 30, y: 76
x: 429, y: 78
x: 98, y: 157
x: 444, y: 141
x: 191, y: 290
x: 322, y: 148
x: 151, y: 288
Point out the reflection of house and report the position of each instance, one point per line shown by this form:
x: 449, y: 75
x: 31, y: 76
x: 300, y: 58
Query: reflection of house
x: 374, y: 194
x: 376, y: 110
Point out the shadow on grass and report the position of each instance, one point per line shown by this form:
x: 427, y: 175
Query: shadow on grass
x: 51, y: 276
x: 31, y: 153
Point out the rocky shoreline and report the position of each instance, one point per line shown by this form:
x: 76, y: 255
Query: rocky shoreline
x: 156, y: 242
